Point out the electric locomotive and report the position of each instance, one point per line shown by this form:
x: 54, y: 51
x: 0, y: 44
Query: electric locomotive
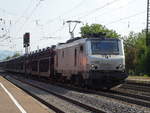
x: 93, y: 62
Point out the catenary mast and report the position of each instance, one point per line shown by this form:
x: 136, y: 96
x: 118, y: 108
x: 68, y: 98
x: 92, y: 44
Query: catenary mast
x: 148, y: 24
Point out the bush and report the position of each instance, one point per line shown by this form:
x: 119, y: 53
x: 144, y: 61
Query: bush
x: 146, y: 76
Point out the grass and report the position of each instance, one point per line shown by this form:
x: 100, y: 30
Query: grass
x: 139, y: 77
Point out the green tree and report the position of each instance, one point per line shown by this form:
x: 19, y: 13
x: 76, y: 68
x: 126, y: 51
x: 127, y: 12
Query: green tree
x: 147, y: 61
x: 140, y: 45
x: 130, y: 52
x: 137, y: 54
x: 8, y: 57
x: 97, y: 29
x: 15, y: 55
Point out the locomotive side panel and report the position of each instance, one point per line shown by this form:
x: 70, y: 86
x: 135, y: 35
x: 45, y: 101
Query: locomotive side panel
x: 71, y: 60
x: 66, y: 59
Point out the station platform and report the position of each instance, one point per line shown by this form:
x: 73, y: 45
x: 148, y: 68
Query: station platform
x: 14, y: 100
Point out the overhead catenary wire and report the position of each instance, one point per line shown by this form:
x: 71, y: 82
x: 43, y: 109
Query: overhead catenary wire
x: 91, y: 11
x: 124, y: 18
x: 66, y: 12
x: 97, y: 9
x: 8, y: 37
x: 117, y: 9
x: 4, y: 28
x: 27, y: 19
x: 59, y: 30
x: 17, y: 21
x: 24, y: 12
x: 52, y: 37
x: 7, y: 12
x: 87, y: 12
x: 115, y: 21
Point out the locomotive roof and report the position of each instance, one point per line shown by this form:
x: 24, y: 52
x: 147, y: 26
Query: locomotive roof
x: 79, y: 40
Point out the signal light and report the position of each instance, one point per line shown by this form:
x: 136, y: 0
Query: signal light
x: 26, y: 39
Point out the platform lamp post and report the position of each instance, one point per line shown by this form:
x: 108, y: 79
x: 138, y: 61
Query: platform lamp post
x: 26, y: 44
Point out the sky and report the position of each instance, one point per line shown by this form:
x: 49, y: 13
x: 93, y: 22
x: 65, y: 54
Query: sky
x: 46, y: 19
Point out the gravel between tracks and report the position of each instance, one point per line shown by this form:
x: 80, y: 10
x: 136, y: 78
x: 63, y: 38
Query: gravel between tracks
x: 133, y: 92
x: 55, y: 101
x: 107, y: 104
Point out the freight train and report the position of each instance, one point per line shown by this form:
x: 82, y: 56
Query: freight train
x: 88, y: 62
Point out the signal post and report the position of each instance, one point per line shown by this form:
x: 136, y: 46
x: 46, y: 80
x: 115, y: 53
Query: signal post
x: 26, y: 44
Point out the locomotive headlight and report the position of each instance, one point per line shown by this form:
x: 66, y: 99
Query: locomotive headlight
x: 94, y: 67
x: 119, y: 67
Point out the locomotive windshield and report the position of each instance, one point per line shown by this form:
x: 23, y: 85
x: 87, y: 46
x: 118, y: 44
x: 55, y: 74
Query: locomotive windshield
x: 105, y: 47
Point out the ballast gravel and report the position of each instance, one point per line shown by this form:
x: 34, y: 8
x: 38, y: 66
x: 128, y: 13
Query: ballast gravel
x: 53, y: 100
x: 100, y: 102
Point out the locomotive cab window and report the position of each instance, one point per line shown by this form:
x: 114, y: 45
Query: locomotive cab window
x: 105, y: 47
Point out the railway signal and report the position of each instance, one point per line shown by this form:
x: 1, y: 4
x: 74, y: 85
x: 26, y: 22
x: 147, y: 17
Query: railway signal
x: 26, y: 41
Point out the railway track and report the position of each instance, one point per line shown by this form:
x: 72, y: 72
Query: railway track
x: 57, y: 110
x: 138, y: 83
x: 138, y: 99
x: 127, y: 97
x: 131, y: 98
x: 136, y: 87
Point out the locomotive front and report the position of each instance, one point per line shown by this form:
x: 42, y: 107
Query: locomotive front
x: 106, y: 62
